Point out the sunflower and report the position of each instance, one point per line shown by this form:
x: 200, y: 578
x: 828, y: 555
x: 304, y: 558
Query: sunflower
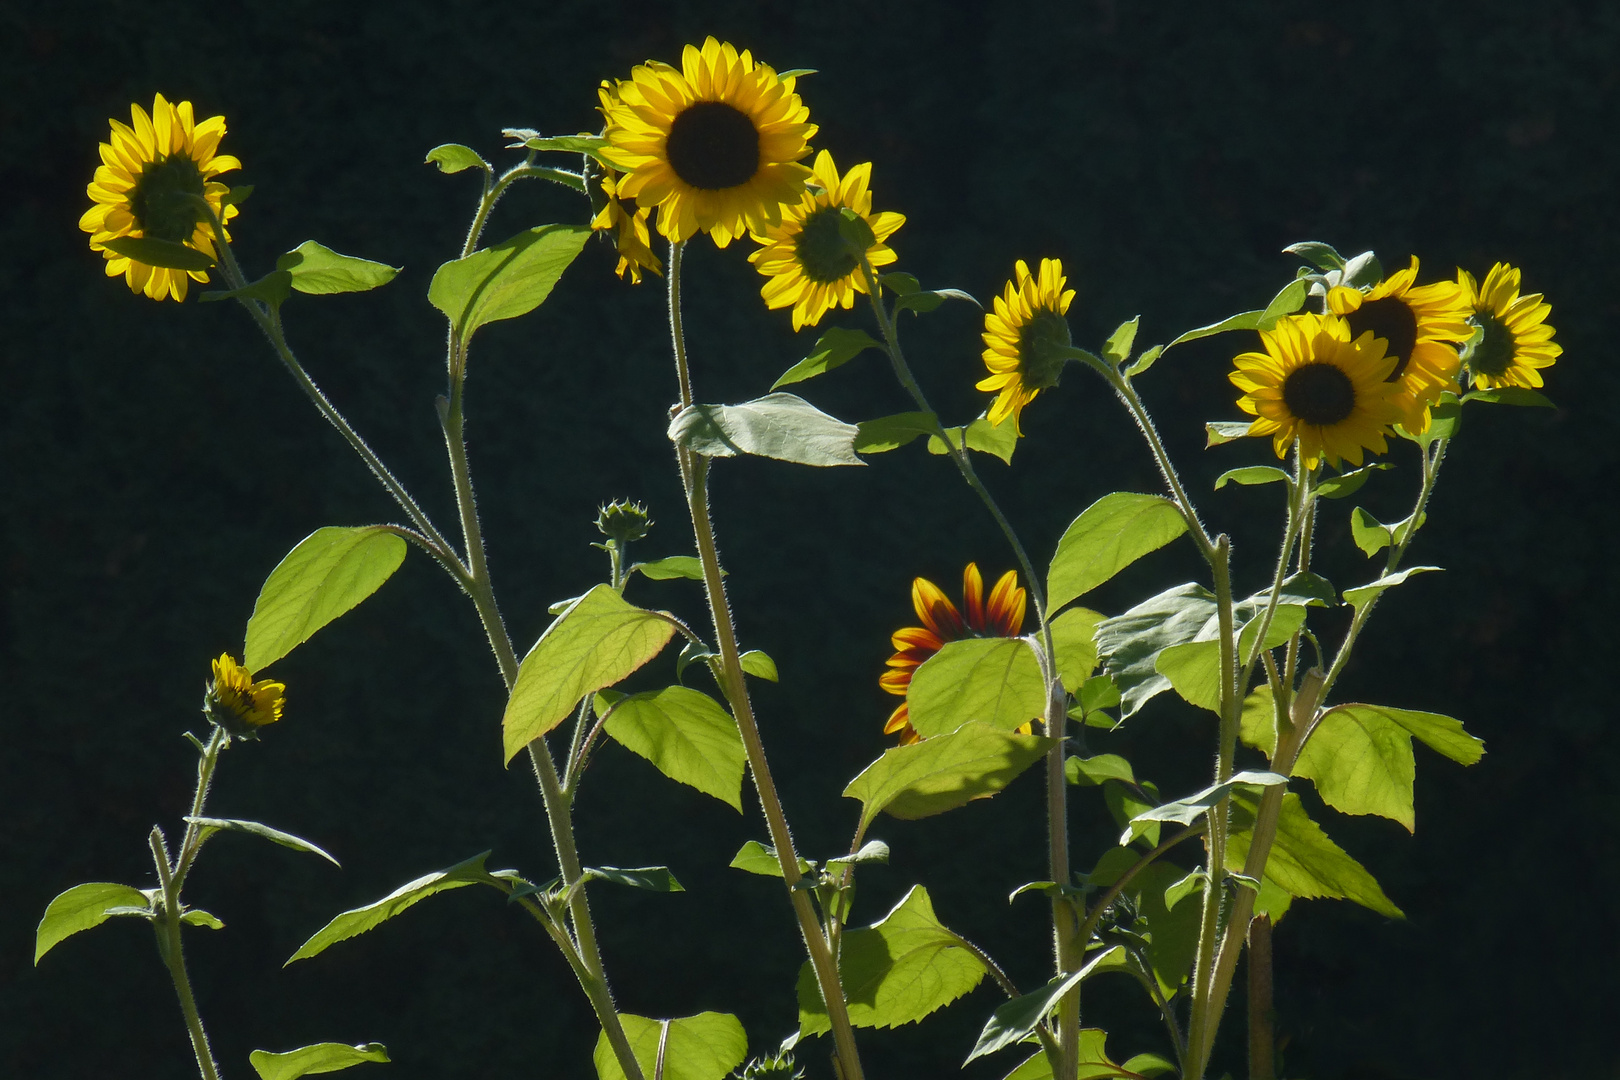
x: 238, y: 704
x: 805, y: 257
x: 1422, y: 326
x: 713, y: 147
x: 1515, y: 340
x: 620, y: 218
x: 1314, y: 384
x: 1023, y: 338
x: 144, y: 185
x: 1002, y: 616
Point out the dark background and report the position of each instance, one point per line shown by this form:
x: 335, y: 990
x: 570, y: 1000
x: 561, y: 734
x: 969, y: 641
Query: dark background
x: 157, y: 463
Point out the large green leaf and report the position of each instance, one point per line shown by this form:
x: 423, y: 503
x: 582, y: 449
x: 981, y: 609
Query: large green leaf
x: 942, y: 773
x: 330, y: 571
x: 1441, y: 734
x: 1131, y: 643
x: 687, y: 735
x: 212, y: 825
x: 836, y: 348
x: 1361, y: 763
x: 1074, y: 637
x: 358, y: 920
x: 994, y: 680
x: 1015, y: 1020
x: 596, y: 642
x: 1303, y: 861
x: 510, y: 279
x: 702, y: 1047
x: 320, y: 271
x: 1186, y: 811
x: 82, y: 907
x: 1194, y: 670
x: 780, y: 426
x: 1112, y: 533
x: 162, y: 253
x: 308, y: 1060
x: 894, y: 972
x: 997, y: 440
x: 892, y: 432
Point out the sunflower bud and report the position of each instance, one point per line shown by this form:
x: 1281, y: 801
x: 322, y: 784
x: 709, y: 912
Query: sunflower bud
x: 624, y: 521
x: 778, y: 1066
x: 239, y: 706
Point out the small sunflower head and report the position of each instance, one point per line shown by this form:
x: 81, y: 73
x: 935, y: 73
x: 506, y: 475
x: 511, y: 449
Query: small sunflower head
x: 623, y: 521
x: 1026, y: 338
x: 1512, y: 342
x: 238, y: 705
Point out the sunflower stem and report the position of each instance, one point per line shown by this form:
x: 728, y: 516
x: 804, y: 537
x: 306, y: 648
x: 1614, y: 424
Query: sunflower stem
x: 167, y: 928
x: 694, y: 477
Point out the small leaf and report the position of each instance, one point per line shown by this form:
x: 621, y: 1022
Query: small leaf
x: 330, y: 571
x: 1320, y: 255
x: 319, y: 1058
x: 272, y: 289
x: 453, y: 158
x: 1016, y: 1020
x: 253, y: 828
x: 1188, y: 810
x: 757, y: 858
x: 691, y: 653
x: 1074, y: 637
x: 320, y: 271
x: 994, y: 680
x: 892, y: 432
x: 944, y: 772
x: 1363, y: 271
x: 1253, y: 474
x: 670, y: 567
x: 507, y: 280
x: 1339, y: 487
x: 1361, y: 763
x: 1289, y: 300
x: 358, y: 920
x: 199, y: 917
x: 1225, y: 431
x: 651, y: 878
x: 780, y: 426
x: 1112, y: 533
x: 1511, y: 395
x: 759, y: 665
x: 82, y: 907
x: 561, y: 144
x: 1366, y: 594
x: 1258, y: 724
x: 161, y: 253
x: 1118, y: 346
x: 836, y: 348
x: 1092, y: 771
x: 595, y: 643
x: 899, y: 283
x: 873, y: 851
x: 1370, y: 534
x: 237, y: 195
x: 1148, y: 358
x: 922, y: 301
x: 1125, y: 802
x: 1303, y: 861
x: 987, y: 438
x: 687, y: 736
x: 702, y: 1047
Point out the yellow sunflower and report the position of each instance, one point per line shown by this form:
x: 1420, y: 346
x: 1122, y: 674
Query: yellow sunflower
x: 1023, y: 337
x: 1422, y: 326
x: 1002, y: 616
x: 805, y: 257
x: 621, y: 218
x: 1314, y: 384
x: 238, y: 704
x: 713, y: 146
x: 143, y: 188
x: 1515, y: 341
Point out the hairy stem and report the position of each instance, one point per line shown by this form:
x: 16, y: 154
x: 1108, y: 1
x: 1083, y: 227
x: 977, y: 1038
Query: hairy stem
x: 167, y: 928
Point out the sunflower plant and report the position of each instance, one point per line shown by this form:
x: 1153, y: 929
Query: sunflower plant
x: 1345, y: 366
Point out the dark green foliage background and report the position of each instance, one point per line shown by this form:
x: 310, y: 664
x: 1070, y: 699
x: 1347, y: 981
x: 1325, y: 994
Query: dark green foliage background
x: 157, y: 464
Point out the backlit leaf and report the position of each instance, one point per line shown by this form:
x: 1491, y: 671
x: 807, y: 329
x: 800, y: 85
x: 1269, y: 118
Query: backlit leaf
x: 1303, y: 861
x: 780, y: 426
x: 757, y: 858
x: 994, y: 680
x: 454, y: 157
x: 944, y: 772
x: 1361, y: 763
x: 702, y: 1047
x: 254, y: 828
x: 1074, y: 637
x: 687, y: 736
x: 1188, y: 810
x: 1251, y: 475
x: 1439, y: 733
x: 1131, y: 643
x: 836, y: 348
x: 1366, y: 594
x: 670, y: 567
x: 329, y: 572
x: 507, y: 280
x: 309, y: 1060
x: 1015, y: 1020
x: 892, y: 432
x: 319, y: 271
x: 82, y: 907
x: 161, y: 253
x: 1112, y: 533
x: 358, y: 920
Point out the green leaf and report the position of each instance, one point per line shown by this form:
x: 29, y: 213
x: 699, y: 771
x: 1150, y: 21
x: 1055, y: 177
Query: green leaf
x: 892, y: 432
x: 836, y: 348
x: 1150, y: 1065
x: 320, y: 271
x: 1097, y: 693
x: 1188, y: 810
x: 1225, y: 431
x: 1286, y: 619
x: 702, y: 1047
x: 162, y: 253
x: 1511, y: 395
x: 994, y: 680
x: 319, y: 1058
x: 1364, y: 270
x: 595, y: 643
x: 1091, y: 771
x: 1118, y: 346
x: 780, y: 426
x: 1093, y: 1061
x: 1253, y: 474
x: 561, y: 144
x: 1361, y: 763
x: 357, y: 921
x: 453, y: 158
x: 987, y: 438
x: 330, y: 571
x: 1016, y: 1020
x: 894, y: 972
x: 873, y: 851
x: 757, y: 858
x: 673, y: 566
x: 82, y: 907
x: 1245, y: 320
x: 1148, y: 358
x: 1125, y: 802
x: 1074, y: 637
x: 237, y: 195
x: 899, y: 283
x: 944, y: 772
x: 1303, y: 861
x: 1306, y: 589
x: 1035, y: 1067
x: 1173, y: 930
x: 510, y: 279
x: 272, y: 289
x: 1289, y: 300
x: 212, y: 825
x: 759, y: 665
x: 1366, y: 594
x: 1439, y: 733
x: 1258, y: 724
x: 1320, y: 255
x: 1112, y: 533
x: 1194, y: 670
x: 1370, y: 534
x: 199, y: 917
x: 1339, y: 487
x: 1131, y: 643
x: 651, y: 878
x: 922, y: 301
x: 687, y: 736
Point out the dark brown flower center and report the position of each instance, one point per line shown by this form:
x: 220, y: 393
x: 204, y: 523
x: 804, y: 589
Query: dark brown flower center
x: 1390, y: 319
x: 1319, y: 394
x: 1493, y: 352
x: 712, y: 146
x: 161, y: 199
x: 820, y: 248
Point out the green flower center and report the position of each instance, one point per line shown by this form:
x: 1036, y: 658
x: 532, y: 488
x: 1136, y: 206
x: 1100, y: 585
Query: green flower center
x: 1493, y: 353
x: 161, y: 199
x: 820, y: 248
x: 1390, y: 319
x: 1041, y: 350
x: 712, y: 145
x: 1320, y: 394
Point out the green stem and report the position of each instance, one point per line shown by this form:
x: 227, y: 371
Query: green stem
x: 167, y: 928
x: 694, y: 477
x: 205, y: 779
x: 1262, y: 1017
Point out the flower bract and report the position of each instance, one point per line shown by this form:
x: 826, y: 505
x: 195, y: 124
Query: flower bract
x: 1314, y: 384
x: 1515, y: 342
x: 238, y: 704
x: 810, y: 265
x: 1026, y: 338
x: 1002, y: 615
x: 713, y: 145
x: 152, y: 171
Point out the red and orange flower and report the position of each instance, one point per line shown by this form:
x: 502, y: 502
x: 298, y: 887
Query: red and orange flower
x: 1001, y: 616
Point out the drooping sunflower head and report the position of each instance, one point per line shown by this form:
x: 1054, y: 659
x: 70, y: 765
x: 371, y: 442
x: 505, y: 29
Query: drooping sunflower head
x: 152, y: 171
x: 1001, y: 615
x: 1514, y: 341
x: 1315, y: 384
x: 713, y: 146
x: 1422, y: 327
x: 811, y: 265
x: 239, y: 705
x: 1026, y: 337
x: 619, y: 218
